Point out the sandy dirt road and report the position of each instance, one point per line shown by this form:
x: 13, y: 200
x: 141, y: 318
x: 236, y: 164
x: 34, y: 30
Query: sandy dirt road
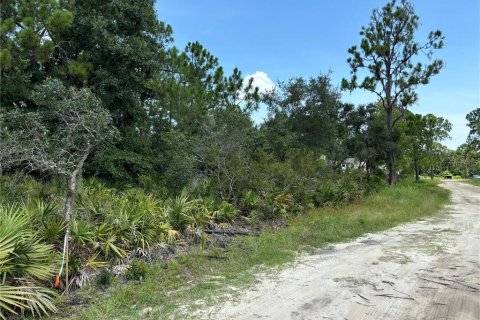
x: 429, y: 269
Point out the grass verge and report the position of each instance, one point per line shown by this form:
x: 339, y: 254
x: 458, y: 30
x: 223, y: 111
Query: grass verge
x: 475, y: 182
x: 176, y: 289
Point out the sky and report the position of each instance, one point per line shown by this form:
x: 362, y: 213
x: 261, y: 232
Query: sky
x: 274, y: 41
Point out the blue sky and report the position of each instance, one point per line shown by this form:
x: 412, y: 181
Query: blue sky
x: 277, y: 40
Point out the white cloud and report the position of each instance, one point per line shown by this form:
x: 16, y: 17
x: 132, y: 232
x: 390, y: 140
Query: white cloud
x: 264, y: 84
x: 261, y: 80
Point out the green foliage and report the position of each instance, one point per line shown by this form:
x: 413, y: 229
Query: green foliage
x: 104, y: 278
x: 303, y: 113
x: 24, y: 296
x: 33, y: 45
x: 47, y: 217
x: 246, y: 256
x: 22, y: 252
x: 473, y: 139
x: 82, y: 232
x: 421, y: 141
x: 186, y: 155
x: 25, y: 23
x: 116, y: 36
x: 250, y: 200
x: 446, y: 173
x: 178, y: 163
x: 223, y: 153
x: 388, y: 51
x: 464, y: 161
x: 225, y: 212
x: 137, y: 270
x: 24, y: 261
x: 180, y: 212
x: 56, y: 138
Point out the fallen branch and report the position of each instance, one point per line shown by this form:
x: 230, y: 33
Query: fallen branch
x: 402, y: 292
x: 388, y: 282
x: 442, y: 283
x: 366, y: 299
x: 390, y: 295
x: 459, y: 282
x: 450, y: 285
x: 466, y: 285
x: 365, y: 305
x: 230, y: 232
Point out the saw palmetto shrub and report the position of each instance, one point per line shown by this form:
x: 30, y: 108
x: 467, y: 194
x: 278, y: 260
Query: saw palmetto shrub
x: 25, y: 263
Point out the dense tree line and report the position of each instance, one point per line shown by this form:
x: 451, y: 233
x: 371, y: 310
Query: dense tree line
x: 169, y: 105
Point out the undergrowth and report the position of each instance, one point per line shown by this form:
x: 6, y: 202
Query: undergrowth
x: 181, y: 285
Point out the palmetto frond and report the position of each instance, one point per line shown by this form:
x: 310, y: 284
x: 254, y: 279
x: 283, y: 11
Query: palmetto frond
x: 23, y: 259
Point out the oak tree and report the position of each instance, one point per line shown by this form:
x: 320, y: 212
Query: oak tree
x: 58, y: 137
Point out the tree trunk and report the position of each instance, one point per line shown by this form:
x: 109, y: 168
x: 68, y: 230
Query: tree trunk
x: 68, y: 206
x: 391, y: 170
x: 69, y: 200
x: 391, y: 155
x: 417, y: 170
x: 67, y: 212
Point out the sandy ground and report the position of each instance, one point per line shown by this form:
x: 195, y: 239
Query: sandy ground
x: 429, y: 269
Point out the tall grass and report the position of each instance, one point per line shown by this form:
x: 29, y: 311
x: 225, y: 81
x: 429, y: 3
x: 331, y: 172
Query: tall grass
x: 197, y: 276
x: 475, y: 182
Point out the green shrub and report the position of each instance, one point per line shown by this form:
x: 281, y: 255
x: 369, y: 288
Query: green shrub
x: 137, y: 271
x: 109, y: 222
x: 81, y: 232
x: 250, y: 200
x: 104, y: 277
x: 444, y: 173
x: 375, y: 181
x: 24, y: 261
x: 226, y: 212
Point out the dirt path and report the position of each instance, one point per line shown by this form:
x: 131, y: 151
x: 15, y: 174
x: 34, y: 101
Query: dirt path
x: 429, y: 269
